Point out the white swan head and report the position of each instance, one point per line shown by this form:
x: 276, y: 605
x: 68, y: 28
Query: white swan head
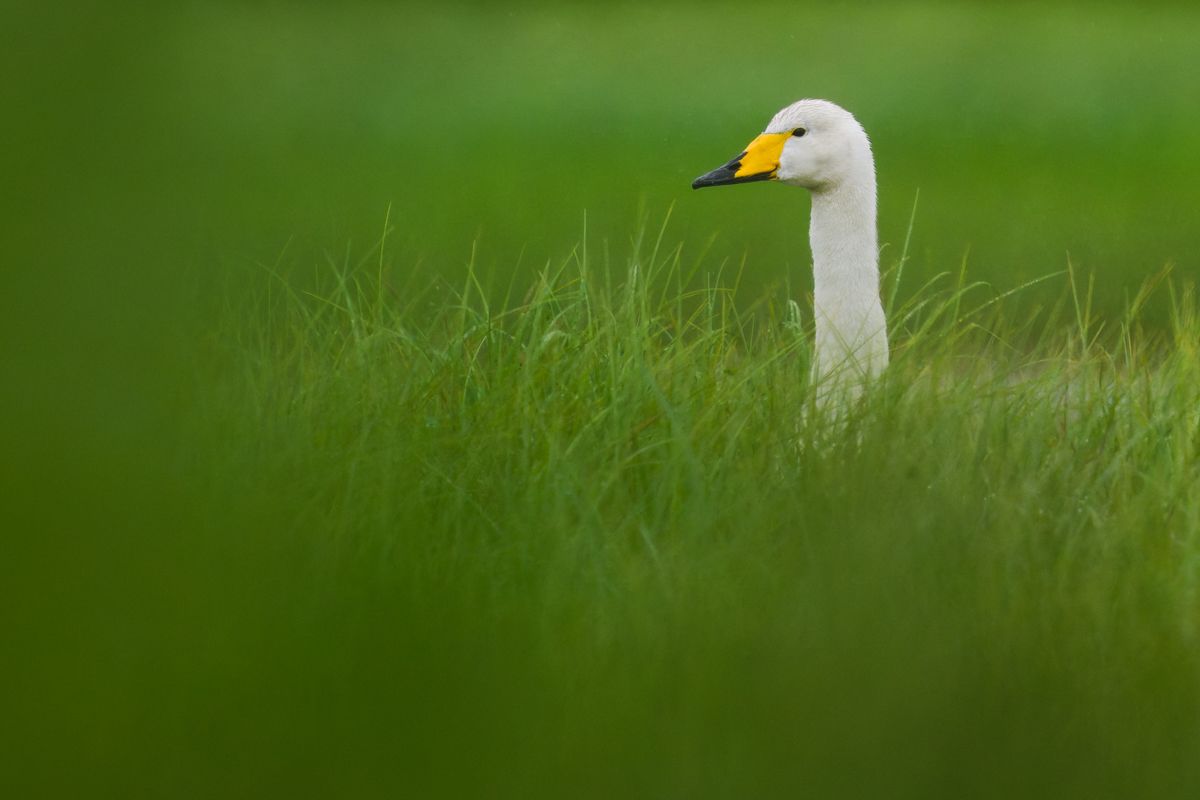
x: 820, y: 146
x: 811, y: 143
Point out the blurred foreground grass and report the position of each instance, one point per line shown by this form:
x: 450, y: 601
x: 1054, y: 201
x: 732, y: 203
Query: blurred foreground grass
x: 597, y: 541
x: 363, y: 524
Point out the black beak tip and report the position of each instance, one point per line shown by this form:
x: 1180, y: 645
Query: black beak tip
x: 718, y: 177
x: 723, y: 175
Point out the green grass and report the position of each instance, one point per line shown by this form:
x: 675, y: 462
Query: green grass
x: 496, y: 507
x: 597, y: 540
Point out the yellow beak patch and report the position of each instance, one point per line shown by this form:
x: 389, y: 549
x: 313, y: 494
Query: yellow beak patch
x: 762, y: 155
x: 758, y: 162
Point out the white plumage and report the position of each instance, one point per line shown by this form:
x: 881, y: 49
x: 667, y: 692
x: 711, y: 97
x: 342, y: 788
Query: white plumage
x: 822, y: 147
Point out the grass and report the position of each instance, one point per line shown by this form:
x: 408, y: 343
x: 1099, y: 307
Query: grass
x: 596, y: 539
x: 494, y: 509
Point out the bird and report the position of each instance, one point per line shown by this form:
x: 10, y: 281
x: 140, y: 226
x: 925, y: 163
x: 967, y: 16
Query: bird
x: 820, y: 146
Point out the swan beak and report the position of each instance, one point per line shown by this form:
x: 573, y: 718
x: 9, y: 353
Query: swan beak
x: 758, y: 162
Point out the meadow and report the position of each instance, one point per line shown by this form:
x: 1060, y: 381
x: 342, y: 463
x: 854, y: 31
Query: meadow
x: 386, y: 416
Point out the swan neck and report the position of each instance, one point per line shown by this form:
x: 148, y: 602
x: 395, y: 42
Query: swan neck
x: 842, y: 232
x: 851, y: 331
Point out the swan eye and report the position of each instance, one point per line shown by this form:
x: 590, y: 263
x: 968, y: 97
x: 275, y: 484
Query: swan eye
x: 799, y: 132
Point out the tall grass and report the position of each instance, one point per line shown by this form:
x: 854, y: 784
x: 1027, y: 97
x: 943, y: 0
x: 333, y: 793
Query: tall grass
x: 594, y: 537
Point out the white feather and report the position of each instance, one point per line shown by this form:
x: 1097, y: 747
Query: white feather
x: 821, y: 147
x: 833, y: 161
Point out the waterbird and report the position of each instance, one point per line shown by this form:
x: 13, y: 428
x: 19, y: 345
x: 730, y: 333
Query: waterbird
x: 821, y: 147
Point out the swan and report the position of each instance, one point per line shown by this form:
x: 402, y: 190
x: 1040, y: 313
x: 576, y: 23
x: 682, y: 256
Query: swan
x: 820, y: 146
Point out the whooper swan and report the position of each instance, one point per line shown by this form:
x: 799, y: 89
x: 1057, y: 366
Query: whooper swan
x: 822, y: 147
